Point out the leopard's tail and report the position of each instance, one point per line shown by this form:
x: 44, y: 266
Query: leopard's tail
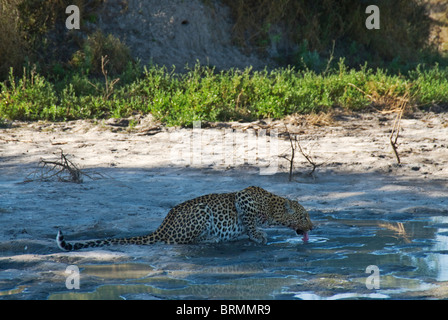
x: 141, y: 240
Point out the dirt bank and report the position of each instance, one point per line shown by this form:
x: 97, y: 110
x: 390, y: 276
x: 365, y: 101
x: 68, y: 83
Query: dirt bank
x: 177, y: 34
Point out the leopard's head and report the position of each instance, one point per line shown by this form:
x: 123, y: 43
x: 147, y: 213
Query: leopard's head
x: 296, y: 217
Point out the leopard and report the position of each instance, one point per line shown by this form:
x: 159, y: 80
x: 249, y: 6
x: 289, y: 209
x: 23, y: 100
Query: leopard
x: 217, y: 217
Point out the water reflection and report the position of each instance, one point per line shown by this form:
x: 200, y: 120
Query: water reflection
x: 412, y: 256
x: 440, y: 248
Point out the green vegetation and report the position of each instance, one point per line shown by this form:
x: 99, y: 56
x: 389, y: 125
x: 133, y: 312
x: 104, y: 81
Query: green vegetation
x: 311, y: 31
x: 50, y: 73
x: 33, y: 32
x: 203, y: 94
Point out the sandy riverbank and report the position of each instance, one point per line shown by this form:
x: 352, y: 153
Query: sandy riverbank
x: 147, y: 168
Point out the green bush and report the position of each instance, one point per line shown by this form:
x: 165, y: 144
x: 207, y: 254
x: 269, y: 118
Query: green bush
x: 97, y: 45
x: 13, y: 46
x: 207, y: 95
x: 31, y: 98
x: 403, y: 34
x: 430, y: 85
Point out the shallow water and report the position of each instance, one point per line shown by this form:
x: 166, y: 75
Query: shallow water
x: 400, y: 226
x: 411, y: 254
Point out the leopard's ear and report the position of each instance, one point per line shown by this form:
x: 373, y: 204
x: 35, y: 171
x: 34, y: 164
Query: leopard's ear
x: 289, y: 206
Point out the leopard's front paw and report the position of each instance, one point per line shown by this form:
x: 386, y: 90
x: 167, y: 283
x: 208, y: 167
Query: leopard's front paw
x: 259, y: 237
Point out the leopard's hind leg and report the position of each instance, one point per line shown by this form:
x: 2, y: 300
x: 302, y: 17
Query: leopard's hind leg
x: 187, y: 225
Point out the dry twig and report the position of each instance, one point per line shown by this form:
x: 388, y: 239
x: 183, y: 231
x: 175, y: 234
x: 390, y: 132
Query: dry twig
x: 108, y: 86
x: 396, y: 128
x: 293, y: 151
x: 308, y: 158
x: 61, y: 169
x: 295, y: 144
x: 393, y: 103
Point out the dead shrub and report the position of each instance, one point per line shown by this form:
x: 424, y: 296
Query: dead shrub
x: 60, y: 169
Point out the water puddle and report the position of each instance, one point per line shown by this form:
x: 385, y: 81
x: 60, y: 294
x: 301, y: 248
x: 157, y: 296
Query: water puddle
x: 17, y: 290
x: 410, y: 254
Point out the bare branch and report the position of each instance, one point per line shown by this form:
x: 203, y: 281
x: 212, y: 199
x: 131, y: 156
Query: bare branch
x: 396, y: 128
x: 63, y: 169
x: 308, y: 158
x: 295, y: 144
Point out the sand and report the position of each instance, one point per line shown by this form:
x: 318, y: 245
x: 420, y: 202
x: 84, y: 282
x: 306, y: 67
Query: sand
x: 138, y: 172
